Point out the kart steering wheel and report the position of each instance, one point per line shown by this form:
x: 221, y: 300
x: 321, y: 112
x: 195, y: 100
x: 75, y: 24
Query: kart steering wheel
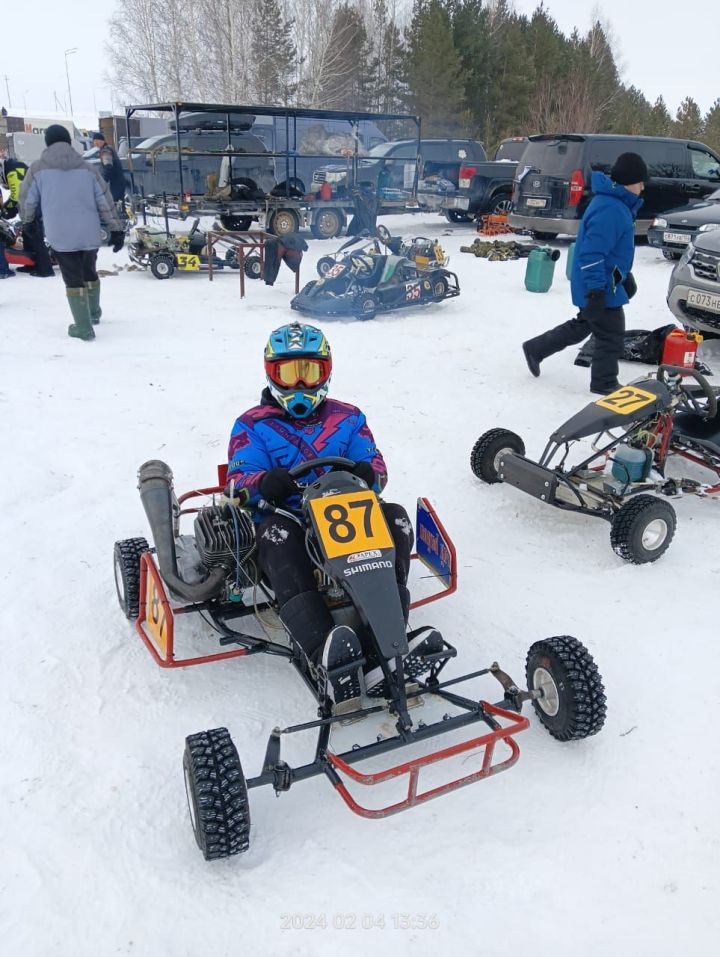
x: 329, y: 460
x: 194, y: 229
x: 691, y: 401
x: 362, y: 267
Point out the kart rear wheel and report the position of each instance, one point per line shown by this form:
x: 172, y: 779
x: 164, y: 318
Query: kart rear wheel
x: 216, y: 794
x: 489, y: 450
x: 324, y: 265
x: 439, y: 288
x: 573, y: 703
x: 162, y: 266
x: 253, y: 267
x: 642, y: 529
x: 327, y: 223
x: 126, y: 563
x: 231, y: 259
x: 366, y: 306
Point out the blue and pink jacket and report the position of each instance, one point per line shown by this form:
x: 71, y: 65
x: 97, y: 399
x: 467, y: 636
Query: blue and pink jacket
x: 266, y: 437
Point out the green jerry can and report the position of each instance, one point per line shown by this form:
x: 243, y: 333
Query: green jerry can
x: 569, y: 261
x: 540, y: 269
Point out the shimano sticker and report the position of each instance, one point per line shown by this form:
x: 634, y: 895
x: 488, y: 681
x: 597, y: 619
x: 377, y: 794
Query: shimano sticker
x: 367, y: 567
x: 364, y: 556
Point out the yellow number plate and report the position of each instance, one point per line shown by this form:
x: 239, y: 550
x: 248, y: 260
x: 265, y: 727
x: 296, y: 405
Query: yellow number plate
x: 155, y: 614
x: 188, y: 261
x: 351, y: 522
x: 626, y: 400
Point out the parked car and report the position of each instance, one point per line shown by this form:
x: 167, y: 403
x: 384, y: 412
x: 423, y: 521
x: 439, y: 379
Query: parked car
x: 394, y: 165
x: 672, y: 231
x: 511, y: 149
x: 552, y: 185
x: 694, y: 290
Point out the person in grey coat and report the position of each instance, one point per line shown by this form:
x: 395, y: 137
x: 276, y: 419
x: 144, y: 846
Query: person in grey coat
x: 74, y: 199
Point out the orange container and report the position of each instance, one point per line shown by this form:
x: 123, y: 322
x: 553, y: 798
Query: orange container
x: 681, y: 348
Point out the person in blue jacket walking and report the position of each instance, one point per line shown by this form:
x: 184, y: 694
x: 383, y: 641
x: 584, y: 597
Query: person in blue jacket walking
x: 294, y: 423
x: 601, y: 281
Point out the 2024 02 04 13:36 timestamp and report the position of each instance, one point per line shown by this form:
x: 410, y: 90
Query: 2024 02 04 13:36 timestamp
x: 347, y: 920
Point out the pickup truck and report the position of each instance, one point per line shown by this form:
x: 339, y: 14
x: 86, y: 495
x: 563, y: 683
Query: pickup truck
x: 486, y: 187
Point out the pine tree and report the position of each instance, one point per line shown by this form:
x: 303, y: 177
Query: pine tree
x: 274, y: 56
x: 435, y: 77
x: 346, y: 75
x: 688, y: 121
x: 711, y: 134
x: 631, y: 113
x: 660, y: 121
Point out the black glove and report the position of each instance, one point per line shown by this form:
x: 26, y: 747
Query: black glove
x: 596, y: 305
x: 10, y: 210
x: 366, y: 472
x: 276, y: 485
x: 630, y: 285
x: 117, y: 240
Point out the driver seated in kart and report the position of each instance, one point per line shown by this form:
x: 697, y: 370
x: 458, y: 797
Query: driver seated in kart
x: 294, y: 423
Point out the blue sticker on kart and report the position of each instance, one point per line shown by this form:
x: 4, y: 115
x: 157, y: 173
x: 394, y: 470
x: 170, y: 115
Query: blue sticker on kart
x: 432, y: 548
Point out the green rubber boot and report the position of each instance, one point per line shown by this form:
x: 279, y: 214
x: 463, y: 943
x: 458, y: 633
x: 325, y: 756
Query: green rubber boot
x: 79, y: 307
x: 93, y: 289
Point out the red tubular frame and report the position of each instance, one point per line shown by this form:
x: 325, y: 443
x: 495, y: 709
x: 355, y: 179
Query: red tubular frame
x: 415, y: 765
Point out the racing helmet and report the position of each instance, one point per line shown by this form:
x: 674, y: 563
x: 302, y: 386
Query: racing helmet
x: 298, y: 365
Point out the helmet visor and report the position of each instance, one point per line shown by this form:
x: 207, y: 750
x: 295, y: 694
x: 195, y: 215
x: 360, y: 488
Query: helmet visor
x: 288, y: 373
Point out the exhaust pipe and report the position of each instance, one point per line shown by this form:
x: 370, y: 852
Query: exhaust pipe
x: 156, y: 495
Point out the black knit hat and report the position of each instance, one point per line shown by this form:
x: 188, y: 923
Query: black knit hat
x: 99, y: 136
x: 56, y: 134
x: 629, y: 168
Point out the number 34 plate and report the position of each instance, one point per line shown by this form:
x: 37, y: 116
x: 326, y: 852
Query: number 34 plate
x: 351, y: 522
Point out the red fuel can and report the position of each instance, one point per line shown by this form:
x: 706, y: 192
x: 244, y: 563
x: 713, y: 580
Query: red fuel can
x: 681, y: 348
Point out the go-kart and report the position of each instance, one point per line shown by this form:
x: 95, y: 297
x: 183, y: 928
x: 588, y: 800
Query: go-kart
x: 637, y: 429
x: 425, y: 253
x: 15, y: 251
x: 362, y: 285
x: 213, y: 574
x: 165, y: 252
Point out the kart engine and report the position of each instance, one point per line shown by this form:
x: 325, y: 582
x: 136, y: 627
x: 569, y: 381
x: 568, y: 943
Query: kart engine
x: 224, y: 535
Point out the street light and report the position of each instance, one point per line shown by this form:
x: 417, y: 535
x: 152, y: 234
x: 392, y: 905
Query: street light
x: 67, y: 74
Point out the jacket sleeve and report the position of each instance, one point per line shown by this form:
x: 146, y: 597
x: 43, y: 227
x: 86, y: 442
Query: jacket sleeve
x: 362, y: 448
x: 248, y: 461
x: 104, y: 203
x: 29, y: 197
x: 601, y: 235
x: 14, y: 183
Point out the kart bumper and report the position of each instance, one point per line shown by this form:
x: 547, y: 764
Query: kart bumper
x: 324, y: 306
x: 529, y: 477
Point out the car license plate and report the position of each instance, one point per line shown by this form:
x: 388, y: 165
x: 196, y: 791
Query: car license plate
x: 460, y: 202
x: 539, y: 203
x: 683, y: 238
x: 704, y: 300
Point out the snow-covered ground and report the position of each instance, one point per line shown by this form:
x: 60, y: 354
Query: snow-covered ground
x: 608, y: 846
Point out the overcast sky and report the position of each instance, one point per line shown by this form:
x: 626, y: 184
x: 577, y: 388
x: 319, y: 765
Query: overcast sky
x: 661, y: 52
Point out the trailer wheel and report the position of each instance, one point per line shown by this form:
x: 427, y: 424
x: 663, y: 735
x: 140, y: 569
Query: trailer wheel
x: 327, y: 223
x: 236, y: 224
x: 162, y: 266
x: 573, y: 703
x: 324, y: 265
x: 253, y: 267
x: 366, y: 306
x: 283, y: 222
x: 126, y: 564
x: 488, y: 451
x: 216, y: 794
x: 642, y: 529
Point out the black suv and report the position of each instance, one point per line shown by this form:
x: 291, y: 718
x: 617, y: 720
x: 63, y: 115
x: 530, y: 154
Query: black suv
x: 552, y: 184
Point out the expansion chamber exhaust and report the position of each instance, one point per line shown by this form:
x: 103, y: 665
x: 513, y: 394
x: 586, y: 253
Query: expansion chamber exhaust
x: 156, y: 493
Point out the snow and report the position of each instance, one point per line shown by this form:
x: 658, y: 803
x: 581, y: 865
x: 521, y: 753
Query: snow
x: 607, y: 846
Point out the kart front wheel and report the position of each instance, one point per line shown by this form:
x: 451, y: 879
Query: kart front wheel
x: 216, y: 794
x: 439, y: 288
x: 253, y: 267
x: 126, y: 565
x: 572, y: 702
x: 162, y: 266
x: 324, y: 265
x: 488, y: 452
x: 366, y: 306
x: 642, y: 529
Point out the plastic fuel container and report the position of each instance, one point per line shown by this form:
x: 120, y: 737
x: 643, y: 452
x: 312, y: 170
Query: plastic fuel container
x: 540, y: 269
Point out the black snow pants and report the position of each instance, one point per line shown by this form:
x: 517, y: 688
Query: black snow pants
x: 77, y: 268
x: 284, y: 561
x: 609, y: 333
x: 34, y: 243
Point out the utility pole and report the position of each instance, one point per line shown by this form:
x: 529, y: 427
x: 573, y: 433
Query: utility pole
x: 7, y: 89
x: 67, y: 75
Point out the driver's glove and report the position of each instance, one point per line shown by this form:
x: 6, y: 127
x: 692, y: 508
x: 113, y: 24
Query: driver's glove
x: 630, y: 285
x: 366, y: 472
x: 596, y: 305
x: 117, y: 240
x: 276, y: 485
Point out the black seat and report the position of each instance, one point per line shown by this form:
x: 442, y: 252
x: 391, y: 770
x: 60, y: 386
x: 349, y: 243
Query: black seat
x: 705, y: 432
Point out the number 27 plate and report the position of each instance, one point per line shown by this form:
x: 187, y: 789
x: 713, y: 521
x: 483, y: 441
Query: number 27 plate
x: 351, y: 522
x: 626, y: 400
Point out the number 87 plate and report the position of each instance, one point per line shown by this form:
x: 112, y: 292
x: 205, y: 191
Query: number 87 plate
x: 350, y: 522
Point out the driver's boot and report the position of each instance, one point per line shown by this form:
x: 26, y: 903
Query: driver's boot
x: 422, y: 642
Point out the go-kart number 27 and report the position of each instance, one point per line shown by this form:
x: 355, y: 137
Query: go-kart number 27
x: 352, y: 522
x: 626, y: 400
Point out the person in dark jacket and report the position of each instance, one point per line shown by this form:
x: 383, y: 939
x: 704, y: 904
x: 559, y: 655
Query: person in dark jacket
x: 111, y: 167
x: 296, y: 422
x: 12, y: 174
x: 601, y: 281
x: 74, y: 199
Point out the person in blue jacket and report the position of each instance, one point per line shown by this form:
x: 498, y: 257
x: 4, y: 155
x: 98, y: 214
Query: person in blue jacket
x: 601, y: 281
x: 296, y: 422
